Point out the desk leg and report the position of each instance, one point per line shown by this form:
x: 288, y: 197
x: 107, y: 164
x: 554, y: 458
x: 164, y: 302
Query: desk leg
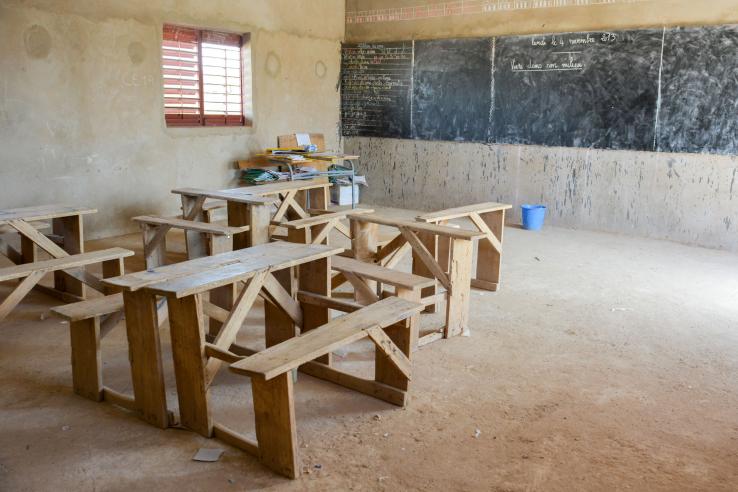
x: 71, y: 231
x: 405, y: 336
x: 28, y: 250
x: 188, y: 352
x: 144, y: 349
x: 364, y: 246
x: 459, y: 275
x: 221, y: 296
x: 430, y: 241
x: 319, y: 199
x: 488, y: 258
x: 197, y: 244
x: 315, y: 277
x: 257, y: 217
x: 274, y: 413
x: 278, y: 326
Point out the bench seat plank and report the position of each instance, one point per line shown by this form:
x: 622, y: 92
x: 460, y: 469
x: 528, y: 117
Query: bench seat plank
x: 100, y: 306
x: 372, y: 271
x: 299, y: 350
x: 419, y: 226
x: 179, y: 223
x: 67, y: 262
x: 43, y: 212
x: 454, y: 213
x: 323, y: 218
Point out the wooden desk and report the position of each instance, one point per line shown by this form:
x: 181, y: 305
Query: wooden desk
x: 67, y: 229
x: 185, y: 285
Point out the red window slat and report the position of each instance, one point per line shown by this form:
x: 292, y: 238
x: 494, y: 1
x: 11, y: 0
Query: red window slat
x: 202, y: 77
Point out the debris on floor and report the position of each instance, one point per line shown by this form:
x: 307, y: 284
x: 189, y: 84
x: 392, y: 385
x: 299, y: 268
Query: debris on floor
x: 208, y: 455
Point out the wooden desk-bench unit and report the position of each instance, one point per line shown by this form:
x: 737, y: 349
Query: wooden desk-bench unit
x: 214, y: 238
x: 271, y: 381
x: 67, y: 238
x: 184, y: 285
x: 489, y: 219
x: 419, y: 238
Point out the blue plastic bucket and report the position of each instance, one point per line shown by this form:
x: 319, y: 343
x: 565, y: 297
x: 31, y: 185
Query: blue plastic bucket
x: 533, y: 216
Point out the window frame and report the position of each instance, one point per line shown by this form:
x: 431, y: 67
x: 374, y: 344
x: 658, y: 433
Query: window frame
x: 204, y: 120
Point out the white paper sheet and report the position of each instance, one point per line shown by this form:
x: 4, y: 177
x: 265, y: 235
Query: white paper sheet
x: 302, y: 139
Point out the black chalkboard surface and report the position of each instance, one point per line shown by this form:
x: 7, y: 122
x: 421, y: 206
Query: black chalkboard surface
x: 699, y: 101
x: 594, y: 90
x: 452, y: 80
x: 375, y: 89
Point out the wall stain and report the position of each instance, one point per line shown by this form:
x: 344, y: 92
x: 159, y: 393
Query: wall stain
x: 136, y: 52
x: 273, y: 64
x: 37, y: 41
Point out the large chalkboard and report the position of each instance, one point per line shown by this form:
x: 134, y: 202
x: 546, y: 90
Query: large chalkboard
x: 669, y: 90
x: 376, y: 80
x: 447, y: 102
x: 595, y: 90
x: 699, y: 91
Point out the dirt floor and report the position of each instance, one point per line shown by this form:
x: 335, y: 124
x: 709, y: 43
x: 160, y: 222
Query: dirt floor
x: 603, y: 363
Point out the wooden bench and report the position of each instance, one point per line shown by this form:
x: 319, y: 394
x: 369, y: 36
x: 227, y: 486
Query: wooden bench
x: 419, y: 239
x: 216, y: 238
x: 272, y: 385
x: 489, y: 219
x: 317, y: 229
x: 89, y: 322
x: 72, y: 265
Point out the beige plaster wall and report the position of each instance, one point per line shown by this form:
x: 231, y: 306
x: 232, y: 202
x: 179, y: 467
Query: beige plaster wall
x: 81, y: 118
x: 682, y: 197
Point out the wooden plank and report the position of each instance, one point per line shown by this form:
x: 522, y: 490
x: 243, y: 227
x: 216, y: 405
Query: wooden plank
x: 465, y: 211
x: 275, y: 259
x: 235, y: 195
x: 283, y: 299
x: 235, y: 439
x: 489, y: 256
x: 379, y: 273
x: 363, y: 293
x: 315, y: 277
x: 459, y: 296
x: 119, y: 399
x: 15, y: 297
x: 398, y: 256
x: 267, y: 189
x: 390, y: 248
x: 99, y: 306
x: 216, y: 352
x: 275, y: 424
x: 418, y: 226
x: 328, y: 302
x: 489, y: 235
x: 144, y: 350
x: 256, y: 258
x: 323, y: 218
x: 188, y: 340
x: 366, y: 386
x: 426, y: 257
x: 38, y: 238
x: 404, y: 335
x: 56, y: 264
x: 70, y: 229
x: 6, y: 229
x: 233, y: 323
x: 189, y: 225
x: 284, y: 206
x: 259, y: 220
x: 391, y: 351
x: 86, y: 359
x: 331, y: 336
x: 43, y: 212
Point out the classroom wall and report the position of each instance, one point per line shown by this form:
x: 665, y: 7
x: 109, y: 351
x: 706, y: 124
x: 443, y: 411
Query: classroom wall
x: 682, y: 197
x: 81, y: 118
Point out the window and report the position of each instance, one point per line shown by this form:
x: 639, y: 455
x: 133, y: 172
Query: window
x: 203, y: 75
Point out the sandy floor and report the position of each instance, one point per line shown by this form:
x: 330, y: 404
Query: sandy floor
x: 604, y: 363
